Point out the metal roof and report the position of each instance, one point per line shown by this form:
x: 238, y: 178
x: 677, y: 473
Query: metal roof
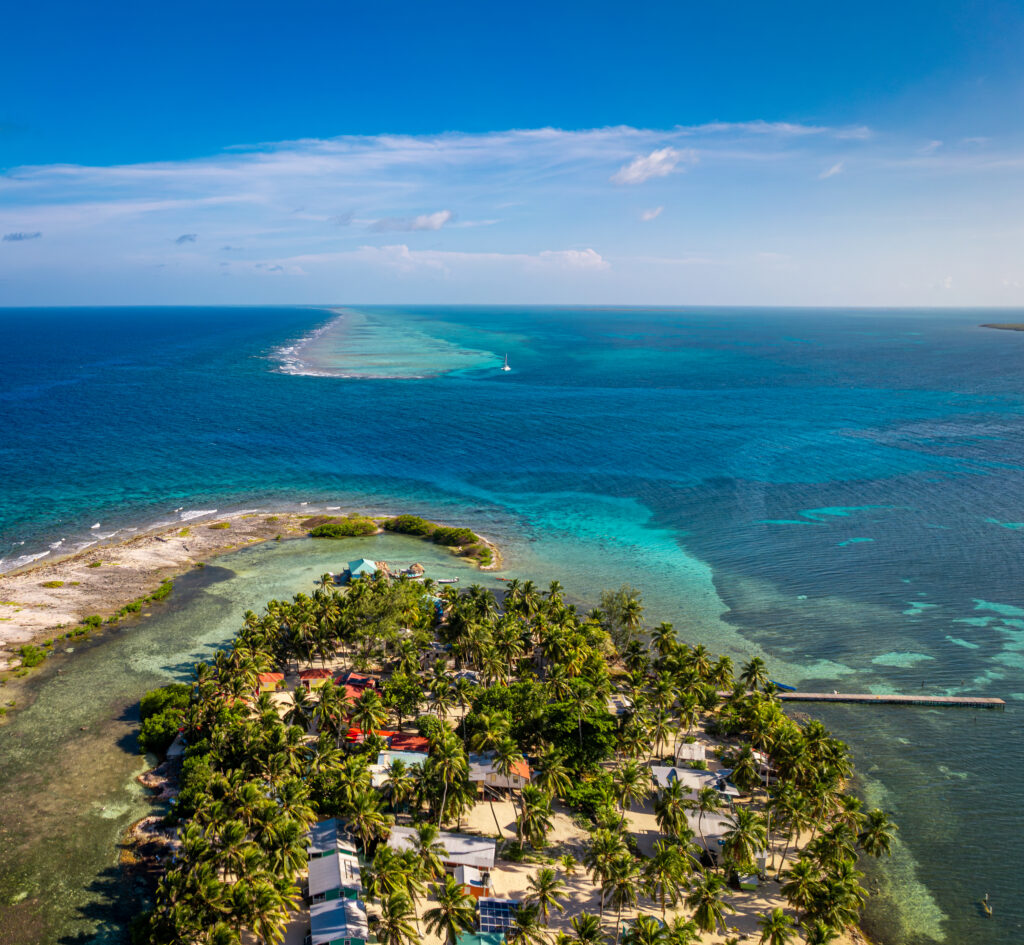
x: 323, y: 836
x: 333, y: 871
x: 462, y: 850
x: 337, y: 919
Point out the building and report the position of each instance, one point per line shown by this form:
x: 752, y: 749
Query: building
x: 496, y: 915
x: 270, y: 682
x: 691, y: 751
x: 326, y: 837
x: 315, y: 678
x: 362, y: 681
x: 693, y: 779
x: 402, y: 741
x: 379, y: 772
x: 334, y: 875
x: 472, y: 881
x: 463, y: 850
x: 483, y: 773
x: 480, y: 938
x: 619, y: 705
x: 338, y: 922
x: 361, y: 567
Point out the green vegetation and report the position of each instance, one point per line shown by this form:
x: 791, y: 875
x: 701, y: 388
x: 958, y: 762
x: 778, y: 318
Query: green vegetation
x: 53, y: 583
x: 93, y: 621
x: 31, y: 655
x: 162, y: 711
x: 351, y: 526
x: 220, y: 525
x: 185, y: 532
x: 470, y: 544
x: 94, y: 564
x: 253, y: 781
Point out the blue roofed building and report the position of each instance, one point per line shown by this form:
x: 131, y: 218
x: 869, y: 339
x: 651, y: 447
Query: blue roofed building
x: 361, y: 567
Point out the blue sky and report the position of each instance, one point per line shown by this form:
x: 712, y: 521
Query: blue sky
x: 668, y: 153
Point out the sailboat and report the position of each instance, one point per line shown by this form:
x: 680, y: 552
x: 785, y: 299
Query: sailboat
x: 505, y: 366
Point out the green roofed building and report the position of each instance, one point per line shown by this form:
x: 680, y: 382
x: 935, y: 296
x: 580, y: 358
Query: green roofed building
x: 361, y: 567
x: 480, y: 938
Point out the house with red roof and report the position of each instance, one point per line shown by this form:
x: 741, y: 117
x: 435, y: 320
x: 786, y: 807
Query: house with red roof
x: 314, y: 678
x: 269, y: 682
x: 404, y: 741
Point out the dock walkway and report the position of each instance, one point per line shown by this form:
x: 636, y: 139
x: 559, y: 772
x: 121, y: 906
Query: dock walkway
x: 974, y: 702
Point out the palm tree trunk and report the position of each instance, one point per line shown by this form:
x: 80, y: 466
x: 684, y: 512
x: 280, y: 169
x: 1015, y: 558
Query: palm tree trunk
x: 495, y: 816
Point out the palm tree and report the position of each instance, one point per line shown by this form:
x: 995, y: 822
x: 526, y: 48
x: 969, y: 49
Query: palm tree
x: 599, y: 854
x: 368, y: 712
x: 568, y: 863
x: 632, y: 783
x: 745, y: 838
x: 645, y: 930
x: 455, y: 911
x: 587, y: 928
x: 393, y: 927
x: 708, y: 802
x: 664, y: 874
x: 526, y: 928
x: 535, y: 821
x: 429, y: 849
x: 670, y: 810
x: 448, y: 763
x: 365, y: 816
x: 878, y: 834
x: 819, y: 933
x: 707, y: 901
x: 547, y: 891
x: 553, y: 776
x: 776, y: 928
x: 755, y: 673
x: 801, y: 884
x: 622, y: 886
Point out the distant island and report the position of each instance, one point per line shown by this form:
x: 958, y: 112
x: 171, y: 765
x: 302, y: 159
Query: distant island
x: 1005, y: 326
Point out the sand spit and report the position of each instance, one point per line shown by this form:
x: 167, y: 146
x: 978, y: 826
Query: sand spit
x: 103, y: 579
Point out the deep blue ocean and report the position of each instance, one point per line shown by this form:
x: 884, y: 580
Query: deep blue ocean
x: 840, y: 491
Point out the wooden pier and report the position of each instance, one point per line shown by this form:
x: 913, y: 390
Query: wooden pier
x: 965, y: 702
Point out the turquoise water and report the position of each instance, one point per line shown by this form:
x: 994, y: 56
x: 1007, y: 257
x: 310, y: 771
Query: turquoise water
x: 833, y: 490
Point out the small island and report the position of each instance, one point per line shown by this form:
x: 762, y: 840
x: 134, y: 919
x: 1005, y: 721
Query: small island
x: 395, y: 762
x: 1005, y: 326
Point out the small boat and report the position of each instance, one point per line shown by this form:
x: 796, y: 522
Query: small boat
x: 782, y: 686
x: 505, y: 366
x: 447, y: 580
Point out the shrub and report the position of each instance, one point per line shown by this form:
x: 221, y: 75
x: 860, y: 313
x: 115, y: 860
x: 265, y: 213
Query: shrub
x: 185, y: 532
x: 273, y: 518
x: 93, y: 620
x: 173, y: 696
x: 220, y: 525
x: 95, y: 564
x: 53, y: 584
x: 158, y: 731
x: 443, y: 535
x: 162, y: 591
x: 350, y: 527
x: 409, y: 525
x: 31, y: 655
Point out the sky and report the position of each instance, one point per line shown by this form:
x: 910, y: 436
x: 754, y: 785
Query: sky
x: 669, y: 153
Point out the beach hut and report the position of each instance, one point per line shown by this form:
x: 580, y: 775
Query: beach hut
x: 338, y: 922
x: 326, y: 837
x: 480, y: 938
x: 483, y: 772
x: 315, y: 678
x: 361, y: 567
x: 270, y: 682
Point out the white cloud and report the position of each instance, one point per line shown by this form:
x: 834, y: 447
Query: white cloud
x: 659, y: 163
x: 836, y: 168
x: 652, y: 214
x: 575, y: 259
x: 425, y: 221
x: 930, y: 148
